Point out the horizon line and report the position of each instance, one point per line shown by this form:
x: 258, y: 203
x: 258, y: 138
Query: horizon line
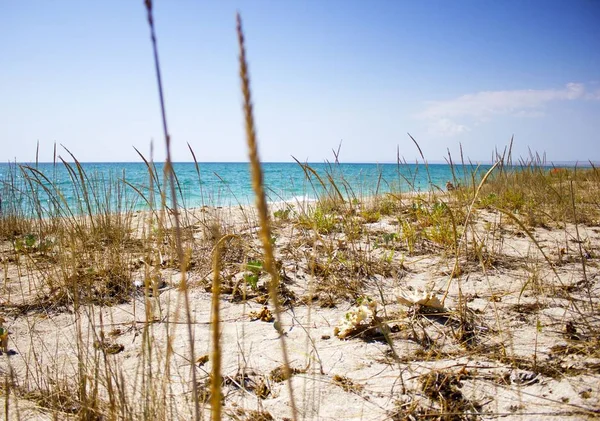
x: 417, y: 162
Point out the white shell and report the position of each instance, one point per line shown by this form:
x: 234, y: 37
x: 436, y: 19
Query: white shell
x: 420, y: 297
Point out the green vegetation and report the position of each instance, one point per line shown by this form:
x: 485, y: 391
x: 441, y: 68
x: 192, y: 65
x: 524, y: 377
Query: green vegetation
x: 88, y: 259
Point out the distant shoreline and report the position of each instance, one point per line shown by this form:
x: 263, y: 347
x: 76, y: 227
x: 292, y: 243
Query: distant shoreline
x: 218, y: 184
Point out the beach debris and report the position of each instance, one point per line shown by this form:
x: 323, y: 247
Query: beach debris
x: 201, y: 361
x: 358, y: 319
x: 571, y: 331
x: 444, y: 387
x: 263, y: 315
x: 346, y: 384
x: 250, y: 382
x: 523, y: 377
x: 421, y: 298
x: 109, y: 348
x: 280, y: 374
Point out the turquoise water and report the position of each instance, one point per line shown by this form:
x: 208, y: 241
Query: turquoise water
x: 117, y: 186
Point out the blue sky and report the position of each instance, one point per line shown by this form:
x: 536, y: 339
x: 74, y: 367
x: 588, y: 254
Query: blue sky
x: 451, y: 73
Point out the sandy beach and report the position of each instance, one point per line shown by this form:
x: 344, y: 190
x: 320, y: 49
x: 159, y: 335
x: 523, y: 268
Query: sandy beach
x: 516, y: 336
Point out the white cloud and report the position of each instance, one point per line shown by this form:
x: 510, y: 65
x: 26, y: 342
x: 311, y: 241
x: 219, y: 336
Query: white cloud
x: 447, y: 127
x: 482, y: 106
x: 593, y: 95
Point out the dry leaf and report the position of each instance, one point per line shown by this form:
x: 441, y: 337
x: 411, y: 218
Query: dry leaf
x: 264, y: 315
x: 202, y: 360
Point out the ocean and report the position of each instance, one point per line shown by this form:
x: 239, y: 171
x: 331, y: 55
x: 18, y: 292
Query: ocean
x: 46, y: 188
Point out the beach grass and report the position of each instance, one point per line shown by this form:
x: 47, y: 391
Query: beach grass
x: 499, y: 254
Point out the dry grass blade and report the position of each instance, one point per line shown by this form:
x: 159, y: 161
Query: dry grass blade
x: 261, y: 202
x: 422, y: 157
x: 466, y: 223
x: 215, y: 385
x: 532, y: 238
x: 169, y: 173
x: 307, y: 169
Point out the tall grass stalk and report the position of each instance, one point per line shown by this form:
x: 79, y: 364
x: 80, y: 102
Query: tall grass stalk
x: 169, y: 173
x: 261, y: 205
